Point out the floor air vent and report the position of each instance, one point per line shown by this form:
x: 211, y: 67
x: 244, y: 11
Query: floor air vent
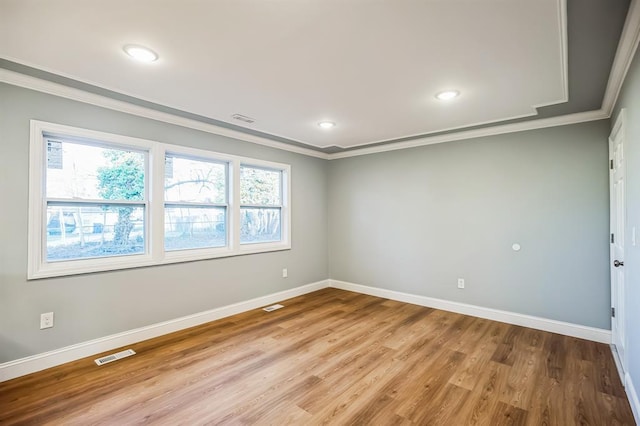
x: 272, y: 308
x: 114, y: 357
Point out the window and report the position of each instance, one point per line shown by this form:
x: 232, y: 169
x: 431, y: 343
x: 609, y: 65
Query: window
x: 260, y: 205
x: 95, y: 201
x: 92, y: 203
x: 195, y: 203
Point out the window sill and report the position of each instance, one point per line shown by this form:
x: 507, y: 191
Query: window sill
x: 79, y: 267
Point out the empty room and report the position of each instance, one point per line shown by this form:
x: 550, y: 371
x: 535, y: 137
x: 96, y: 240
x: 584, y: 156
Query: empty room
x: 320, y: 212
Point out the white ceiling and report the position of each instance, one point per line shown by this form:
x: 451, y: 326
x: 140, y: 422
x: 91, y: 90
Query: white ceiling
x: 373, y: 67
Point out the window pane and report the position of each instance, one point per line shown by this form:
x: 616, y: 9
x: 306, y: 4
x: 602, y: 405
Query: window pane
x: 193, y: 180
x: 189, y: 228
x: 89, y: 232
x: 260, y: 186
x: 259, y: 225
x: 90, y: 172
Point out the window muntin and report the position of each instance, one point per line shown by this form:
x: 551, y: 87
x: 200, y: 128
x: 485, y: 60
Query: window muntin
x: 196, y: 209
x: 210, y: 218
x: 95, y: 201
x: 260, y: 204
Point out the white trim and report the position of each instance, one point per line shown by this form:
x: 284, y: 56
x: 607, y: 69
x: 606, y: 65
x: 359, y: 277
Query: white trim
x: 38, y: 267
x: 632, y: 396
x: 618, y: 125
x: 629, y: 40
x: 616, y: 360
x: 31, y: 364
x: 563, y: 120
x: 28, y: 82
x: 553, y: 326
x: 34, y: 363
x: 563, y: 49
x: 44, y: 86
x: 620, y: 358
x: 627, y: 46
x: 564, y: 34
x: 564, y: 59
x: 564, y: 97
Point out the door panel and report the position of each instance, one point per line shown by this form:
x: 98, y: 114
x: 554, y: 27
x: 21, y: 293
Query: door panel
x: 618, y: 215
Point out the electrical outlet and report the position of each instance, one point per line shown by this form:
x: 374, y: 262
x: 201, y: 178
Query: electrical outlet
x: 460, y: 282
x: 46, y: 320
x: 285, y: 273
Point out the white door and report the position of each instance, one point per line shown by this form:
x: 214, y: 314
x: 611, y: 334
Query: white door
x: 618, y: 209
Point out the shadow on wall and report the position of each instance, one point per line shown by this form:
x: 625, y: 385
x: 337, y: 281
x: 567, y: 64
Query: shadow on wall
x: 8, y: 347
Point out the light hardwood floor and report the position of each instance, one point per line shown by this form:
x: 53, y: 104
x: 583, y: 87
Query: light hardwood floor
x: 334, y: 357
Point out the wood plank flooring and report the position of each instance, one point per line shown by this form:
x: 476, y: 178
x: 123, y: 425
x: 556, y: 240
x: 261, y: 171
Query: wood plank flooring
x: 334, y: 357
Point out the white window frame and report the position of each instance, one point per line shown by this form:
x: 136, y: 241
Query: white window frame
x: 186, y: 255
x: 280, y: 206
x: 155, y: 253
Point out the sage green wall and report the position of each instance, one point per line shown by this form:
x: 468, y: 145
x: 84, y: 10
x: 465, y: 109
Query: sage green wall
x: 630, y: 100
x: 415, y: 220
x: 96, y: 305
x: 411, y: 220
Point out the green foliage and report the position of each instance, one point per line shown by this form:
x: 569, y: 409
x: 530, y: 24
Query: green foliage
x: 122, y: 180
x: 259, y: 186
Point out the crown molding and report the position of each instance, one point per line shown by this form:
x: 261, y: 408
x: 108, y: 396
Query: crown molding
x: 629, y: 40
x: 563, y: 49
x: 44, y: 86
x: 624, y: 56
x: 562, y: 120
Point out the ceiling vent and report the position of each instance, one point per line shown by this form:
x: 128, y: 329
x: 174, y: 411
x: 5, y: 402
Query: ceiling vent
x: 243, y: 118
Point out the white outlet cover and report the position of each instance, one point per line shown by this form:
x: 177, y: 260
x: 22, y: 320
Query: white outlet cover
x: 46, y: 320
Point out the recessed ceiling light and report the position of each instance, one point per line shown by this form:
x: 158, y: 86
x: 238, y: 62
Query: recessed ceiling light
x: 447, y: 95
x: 327, y: 124
x: 140, y: 53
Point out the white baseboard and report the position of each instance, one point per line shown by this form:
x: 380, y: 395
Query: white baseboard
x: 31, y: 364
x: 560, y: 327
x: 617, y: 362
x: 632, y: 395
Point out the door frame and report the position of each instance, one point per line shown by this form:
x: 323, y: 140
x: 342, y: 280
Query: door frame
x: 621, y: 362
